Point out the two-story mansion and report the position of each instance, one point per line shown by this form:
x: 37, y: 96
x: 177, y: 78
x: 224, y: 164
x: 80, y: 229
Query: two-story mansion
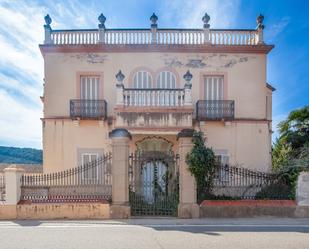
x: 154, y: 83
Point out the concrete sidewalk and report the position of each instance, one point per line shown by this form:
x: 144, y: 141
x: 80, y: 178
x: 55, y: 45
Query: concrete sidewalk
x: 266, y: 233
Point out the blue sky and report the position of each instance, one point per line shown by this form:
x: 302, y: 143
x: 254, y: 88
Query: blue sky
x: 21, y: 64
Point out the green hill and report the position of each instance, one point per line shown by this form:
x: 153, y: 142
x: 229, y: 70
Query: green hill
x: 20, y: 155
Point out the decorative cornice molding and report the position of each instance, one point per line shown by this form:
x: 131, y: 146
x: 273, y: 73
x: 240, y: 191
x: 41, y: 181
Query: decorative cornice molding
x: 163, y: 109
x: 135, y: 48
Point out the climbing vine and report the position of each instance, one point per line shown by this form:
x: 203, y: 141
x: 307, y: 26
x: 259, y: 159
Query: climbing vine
x: 201, y: 161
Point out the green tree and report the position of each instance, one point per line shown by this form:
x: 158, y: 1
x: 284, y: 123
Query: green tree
x: 295, y: 129
x: 201, y: 161
x: 290, y: 148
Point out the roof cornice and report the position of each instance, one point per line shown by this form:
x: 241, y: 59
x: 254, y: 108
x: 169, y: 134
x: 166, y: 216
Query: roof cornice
x: 150, y: 48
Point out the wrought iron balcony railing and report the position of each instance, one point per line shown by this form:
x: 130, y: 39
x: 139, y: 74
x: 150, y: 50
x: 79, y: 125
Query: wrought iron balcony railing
x: 214, y: 109
x: 88, y: 109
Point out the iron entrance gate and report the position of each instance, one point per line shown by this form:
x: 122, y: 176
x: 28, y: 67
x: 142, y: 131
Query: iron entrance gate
x: 153, y: 189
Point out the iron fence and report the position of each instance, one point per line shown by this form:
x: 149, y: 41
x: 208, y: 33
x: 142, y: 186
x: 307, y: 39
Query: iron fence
x: 232, y: 182
x: 88, y: 182
x: 214, y: 109
x: 88, y: 109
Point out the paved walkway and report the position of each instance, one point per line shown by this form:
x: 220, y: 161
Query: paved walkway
x: 157, y: 233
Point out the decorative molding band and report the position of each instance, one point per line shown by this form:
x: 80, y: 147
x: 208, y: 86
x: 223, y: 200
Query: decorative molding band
x: 100, y: 48
x: 148, y: 109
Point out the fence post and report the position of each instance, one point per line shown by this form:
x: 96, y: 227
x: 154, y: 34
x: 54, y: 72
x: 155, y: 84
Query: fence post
x: 206, y: 26
x: 13, y: 176
x: 154, y: 27
x: 260, y: 27
x: 188, y: 98
x: 119, y: 88
x: 48, y: 29
x: 188, y: 207
x: 101, y: 27
x: 120, y: 177
x: 302, y: 190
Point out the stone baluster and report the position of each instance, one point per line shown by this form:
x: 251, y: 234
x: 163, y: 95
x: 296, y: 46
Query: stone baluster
x: 260, y: 27
x: 154, y: 27
x: 47, y: 29
x: 188, y: 98
x: 101, y: 26
x: 206, y: 26
x: 119, y: 89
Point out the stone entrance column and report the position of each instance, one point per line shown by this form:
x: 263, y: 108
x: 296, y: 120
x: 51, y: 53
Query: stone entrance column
x: 188, y: 207
x: 120, y: 178
x: 13, y: 176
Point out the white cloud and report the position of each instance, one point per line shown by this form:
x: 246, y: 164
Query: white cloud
x: 276, y: 120
x: 21, y: 63
x: 19, y: 123
x: 188, y: 14
x: 274, y: 29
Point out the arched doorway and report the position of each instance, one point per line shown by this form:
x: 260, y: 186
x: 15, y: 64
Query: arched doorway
x: 153, y: 175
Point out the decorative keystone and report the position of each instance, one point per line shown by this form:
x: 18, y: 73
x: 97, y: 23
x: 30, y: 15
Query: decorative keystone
x: 101, y: 20
x: 154, y: 20
x: 206, y: 19
x: 48, y: 21
x: 259, y: 21
x: 120, y: 76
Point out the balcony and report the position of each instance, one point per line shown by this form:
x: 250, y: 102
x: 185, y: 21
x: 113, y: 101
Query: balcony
x: 161, y: 36
x: 155, y: 36
x: 154, y: 97
x: 88, y: 109
x: 154, y: 108
x: 214, y: 110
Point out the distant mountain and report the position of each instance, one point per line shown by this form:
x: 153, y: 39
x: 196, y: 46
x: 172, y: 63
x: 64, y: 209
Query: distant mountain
x: 20, y: 155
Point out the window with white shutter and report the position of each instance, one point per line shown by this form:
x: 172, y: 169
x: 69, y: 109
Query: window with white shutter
x: 92, y: 171
x: 142, y: 79
x: 213, y: 88
x: 222, y: 160
x: 166, y: 80
x: 89, y: 87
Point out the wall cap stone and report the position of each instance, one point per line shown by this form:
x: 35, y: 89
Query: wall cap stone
x: 185, y: 133
x: 14, y: 168
x: 120, y: 132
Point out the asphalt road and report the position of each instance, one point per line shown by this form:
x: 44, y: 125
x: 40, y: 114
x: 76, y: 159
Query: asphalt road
x: 157, y: 233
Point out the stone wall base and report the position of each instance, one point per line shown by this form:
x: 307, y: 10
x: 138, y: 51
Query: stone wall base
x: 188, y: 211
x: 120, y: 211
x: 55, y: 211
x: 253, y: 211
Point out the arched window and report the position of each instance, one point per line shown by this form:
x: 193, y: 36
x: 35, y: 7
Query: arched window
x: 166, y: 80
x: 142, y: 79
